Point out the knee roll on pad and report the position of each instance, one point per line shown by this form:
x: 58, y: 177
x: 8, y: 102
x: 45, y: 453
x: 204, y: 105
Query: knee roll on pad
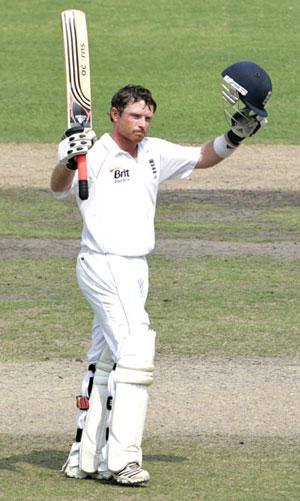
x: 136, y: 359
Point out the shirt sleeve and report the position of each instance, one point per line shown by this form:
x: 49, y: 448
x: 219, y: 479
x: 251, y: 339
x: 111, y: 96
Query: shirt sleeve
x: 177, y: 161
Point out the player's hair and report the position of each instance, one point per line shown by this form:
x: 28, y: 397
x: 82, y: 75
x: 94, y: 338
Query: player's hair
x: 131, y: 94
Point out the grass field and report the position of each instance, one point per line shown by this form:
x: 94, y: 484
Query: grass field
x: 176, y: 48
x: 206, y: 473
x: 227, y: 297
x: 238, y: 306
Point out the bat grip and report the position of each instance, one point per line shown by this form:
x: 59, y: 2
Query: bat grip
x: 82, y: 177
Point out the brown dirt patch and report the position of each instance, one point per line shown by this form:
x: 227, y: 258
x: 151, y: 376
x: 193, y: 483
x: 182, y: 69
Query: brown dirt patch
x: 191, y: 399
x: 179, y: 249
x: 255, y: 167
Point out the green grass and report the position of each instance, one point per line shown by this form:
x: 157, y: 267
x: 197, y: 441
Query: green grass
x: 241, y: 218
x: 37, y: 214
x: 242, y: 306
x: 41, y: 310
x: 176, y: 48
x: 266, y: 226
x: 232, y: 305
x: 236, y: 306
x: 193, y: 471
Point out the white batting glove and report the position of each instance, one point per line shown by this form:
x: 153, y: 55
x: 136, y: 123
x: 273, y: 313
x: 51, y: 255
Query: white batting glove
x: 74, y: 142
x: 245, y: 123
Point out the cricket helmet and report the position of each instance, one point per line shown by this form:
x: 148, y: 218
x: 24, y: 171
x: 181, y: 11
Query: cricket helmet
x: 248, y: 82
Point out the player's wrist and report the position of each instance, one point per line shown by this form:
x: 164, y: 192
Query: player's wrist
x: 223, y: 146
x: 65, y: 167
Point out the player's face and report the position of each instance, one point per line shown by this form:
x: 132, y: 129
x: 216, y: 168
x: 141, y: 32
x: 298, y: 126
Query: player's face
x: 134, y: 123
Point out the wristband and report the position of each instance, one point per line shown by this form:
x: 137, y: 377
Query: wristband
x: 222, y: 147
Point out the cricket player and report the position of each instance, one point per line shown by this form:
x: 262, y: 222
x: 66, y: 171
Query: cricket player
x: 125, y: 168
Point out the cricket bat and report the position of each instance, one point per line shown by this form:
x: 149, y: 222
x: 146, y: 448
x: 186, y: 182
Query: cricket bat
x: 78, y: 82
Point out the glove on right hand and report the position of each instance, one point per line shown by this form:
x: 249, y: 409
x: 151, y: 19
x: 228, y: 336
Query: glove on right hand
x: 74, y: 142
x: 244, y: 124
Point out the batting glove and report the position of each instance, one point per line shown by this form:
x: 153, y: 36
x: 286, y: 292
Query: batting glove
x: 74, y: 142
x: 245, y: 123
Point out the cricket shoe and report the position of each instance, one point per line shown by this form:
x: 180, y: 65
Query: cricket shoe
x: 71, y: 467
x: 132, y: 474
x: 76, y: 472
x: 101, y: 475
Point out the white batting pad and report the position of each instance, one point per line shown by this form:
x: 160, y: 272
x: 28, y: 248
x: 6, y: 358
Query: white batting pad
x: 133, y: 375
x: 127, y: 426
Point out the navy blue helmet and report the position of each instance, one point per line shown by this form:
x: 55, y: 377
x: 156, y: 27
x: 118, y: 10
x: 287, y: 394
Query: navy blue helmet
x: 252, y: 84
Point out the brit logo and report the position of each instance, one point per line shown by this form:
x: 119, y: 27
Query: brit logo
x: 121, y: 175
x: 153, y: 167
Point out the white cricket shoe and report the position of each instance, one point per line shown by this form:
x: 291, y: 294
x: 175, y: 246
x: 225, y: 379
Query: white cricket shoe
x: 132, y: 474
x: 101, y: 475
x: 71, y: 467
x: 74, y: 472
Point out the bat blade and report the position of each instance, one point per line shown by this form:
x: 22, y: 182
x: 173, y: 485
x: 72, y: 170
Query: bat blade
x: 78, y: 82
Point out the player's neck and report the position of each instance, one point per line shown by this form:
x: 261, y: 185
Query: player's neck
x: 124, y: 144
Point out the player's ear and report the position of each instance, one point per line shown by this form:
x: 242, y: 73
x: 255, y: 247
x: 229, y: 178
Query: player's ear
x: 114, y: 114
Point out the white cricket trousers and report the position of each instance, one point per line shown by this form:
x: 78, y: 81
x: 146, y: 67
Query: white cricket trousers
x: 117, y: 288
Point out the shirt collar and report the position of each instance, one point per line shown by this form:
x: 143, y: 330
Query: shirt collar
x: 115, y: 150
x: 110, y: 144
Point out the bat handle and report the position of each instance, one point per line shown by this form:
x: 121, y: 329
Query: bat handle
x: 82, y: 177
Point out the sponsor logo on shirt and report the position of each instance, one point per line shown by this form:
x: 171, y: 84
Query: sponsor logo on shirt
x: 121, y: 175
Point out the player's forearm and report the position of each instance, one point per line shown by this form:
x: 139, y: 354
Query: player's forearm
x: 210, y: 157
x: 61, y: 178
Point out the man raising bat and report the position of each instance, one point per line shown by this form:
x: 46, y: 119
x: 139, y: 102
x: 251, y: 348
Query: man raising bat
x: 126, y: 168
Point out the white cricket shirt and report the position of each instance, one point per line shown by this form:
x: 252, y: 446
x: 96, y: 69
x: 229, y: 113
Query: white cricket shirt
x: 118, y: 216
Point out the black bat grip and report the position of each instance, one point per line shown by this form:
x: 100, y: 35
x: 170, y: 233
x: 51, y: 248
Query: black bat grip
x: 83, y: 189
